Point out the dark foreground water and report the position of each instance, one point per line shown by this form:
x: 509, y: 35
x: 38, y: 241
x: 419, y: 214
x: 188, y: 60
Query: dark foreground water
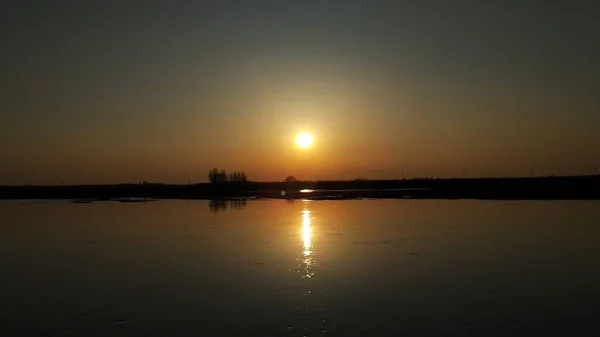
x: 278, y: 268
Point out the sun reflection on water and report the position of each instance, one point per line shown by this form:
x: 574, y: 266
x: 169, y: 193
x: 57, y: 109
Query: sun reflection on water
x: 307, y: 260
x: 306, y: 232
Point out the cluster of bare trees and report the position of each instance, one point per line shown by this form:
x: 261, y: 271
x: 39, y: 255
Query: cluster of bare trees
x: 216, y: 176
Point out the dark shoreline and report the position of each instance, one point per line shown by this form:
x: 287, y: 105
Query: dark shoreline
x: 542, y: 188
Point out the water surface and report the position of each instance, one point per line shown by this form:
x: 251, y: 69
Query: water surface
x: 300, y: 268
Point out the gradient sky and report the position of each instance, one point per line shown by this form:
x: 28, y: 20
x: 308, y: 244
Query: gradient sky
x: 122, y: 91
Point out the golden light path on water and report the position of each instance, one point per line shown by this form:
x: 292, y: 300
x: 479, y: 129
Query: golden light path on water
x: 306, y: 232
x: 307, y: 259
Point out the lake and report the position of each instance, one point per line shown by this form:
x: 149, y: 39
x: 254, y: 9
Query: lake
x: 300, y: 268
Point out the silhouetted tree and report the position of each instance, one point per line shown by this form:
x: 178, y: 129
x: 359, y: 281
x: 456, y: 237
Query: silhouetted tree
x: 291, y: 179
x: 212, y: 176
x: 239, y: 177
x: 217, y: 177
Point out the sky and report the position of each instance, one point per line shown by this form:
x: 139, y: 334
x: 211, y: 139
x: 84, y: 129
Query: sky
x: 111, y: 91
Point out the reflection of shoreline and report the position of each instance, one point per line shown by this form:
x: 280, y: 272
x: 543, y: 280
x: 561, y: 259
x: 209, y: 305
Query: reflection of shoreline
x: 218, y: 205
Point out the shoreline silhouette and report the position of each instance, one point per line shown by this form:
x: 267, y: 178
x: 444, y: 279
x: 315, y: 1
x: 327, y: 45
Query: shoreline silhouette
x: 532, y: 188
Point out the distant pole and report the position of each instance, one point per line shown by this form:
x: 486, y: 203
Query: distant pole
x: 531, y: 173
x: 596, y: 168
x: 342, y: 176
x: 464, y: 175
x: 402, y: 175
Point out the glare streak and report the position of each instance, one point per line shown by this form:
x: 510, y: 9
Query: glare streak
x: 307, y: 260
x: 306, y: 232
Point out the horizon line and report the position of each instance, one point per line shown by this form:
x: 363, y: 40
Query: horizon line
x: 303, y: 181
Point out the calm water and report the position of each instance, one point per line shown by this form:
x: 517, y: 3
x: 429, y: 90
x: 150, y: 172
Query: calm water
x: 278, y: 268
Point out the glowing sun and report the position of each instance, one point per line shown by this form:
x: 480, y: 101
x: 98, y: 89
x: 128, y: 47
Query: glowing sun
x: 304, y: 140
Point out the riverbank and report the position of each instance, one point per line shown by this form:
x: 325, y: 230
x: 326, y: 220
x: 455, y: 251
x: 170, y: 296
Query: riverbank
x: 543, y: 188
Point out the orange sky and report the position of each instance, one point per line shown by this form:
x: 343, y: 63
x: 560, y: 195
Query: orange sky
x: 104, y: 93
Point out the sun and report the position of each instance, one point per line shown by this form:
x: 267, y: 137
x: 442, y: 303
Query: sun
x: 304, y: 140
